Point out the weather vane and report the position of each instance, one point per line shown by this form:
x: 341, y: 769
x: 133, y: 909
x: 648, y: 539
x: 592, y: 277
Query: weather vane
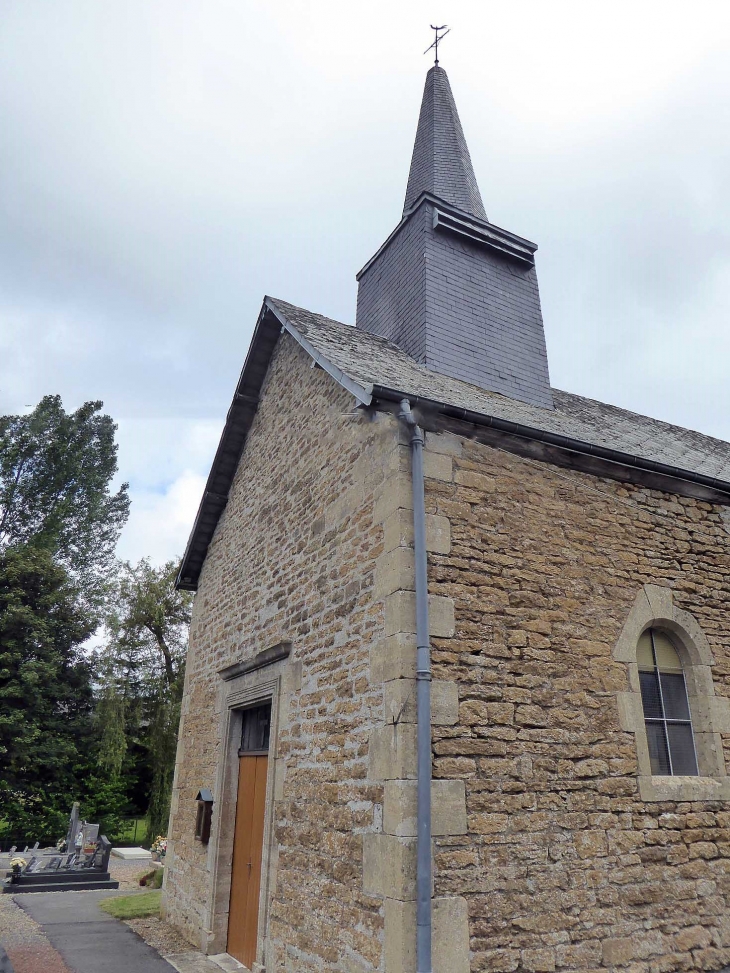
x: 435, y: 44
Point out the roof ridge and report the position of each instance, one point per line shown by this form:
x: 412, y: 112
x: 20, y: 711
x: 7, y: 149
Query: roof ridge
x: 680, y: 461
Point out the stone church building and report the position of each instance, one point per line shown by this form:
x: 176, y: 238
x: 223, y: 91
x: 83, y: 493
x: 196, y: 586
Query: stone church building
x: 404, y: 519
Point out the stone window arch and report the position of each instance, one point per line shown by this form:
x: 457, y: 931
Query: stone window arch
x: 654, y: 610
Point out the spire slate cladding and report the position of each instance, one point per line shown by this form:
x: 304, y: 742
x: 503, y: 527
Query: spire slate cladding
x: 441, y: 163
x: 455, y: 292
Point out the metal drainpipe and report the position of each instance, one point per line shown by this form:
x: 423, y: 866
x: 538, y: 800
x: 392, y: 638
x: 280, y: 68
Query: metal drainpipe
x: 423, y: 699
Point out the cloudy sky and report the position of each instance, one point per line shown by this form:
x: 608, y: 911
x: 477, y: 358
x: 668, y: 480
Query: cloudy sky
x: 166, y: 163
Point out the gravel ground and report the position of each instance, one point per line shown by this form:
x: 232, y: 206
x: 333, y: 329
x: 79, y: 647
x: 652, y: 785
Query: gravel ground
x: 160, y: 936
x: 128, y: 874
x: 25, y: 943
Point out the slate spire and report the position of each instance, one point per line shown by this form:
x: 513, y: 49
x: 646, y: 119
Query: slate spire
x: 441, y: 164
x: 452, y: 290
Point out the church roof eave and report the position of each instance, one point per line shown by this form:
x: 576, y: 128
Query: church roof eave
x: 362, y: 392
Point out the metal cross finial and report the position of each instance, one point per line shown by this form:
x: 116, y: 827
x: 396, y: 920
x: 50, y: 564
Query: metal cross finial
x: 435, y: 44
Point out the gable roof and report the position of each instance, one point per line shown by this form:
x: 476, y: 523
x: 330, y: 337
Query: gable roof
x: 374, y: 361
x: 376, y: 371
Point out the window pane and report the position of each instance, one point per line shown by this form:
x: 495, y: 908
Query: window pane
x: 643, y: 653
x: 256, y: 729
x: 657, y: 749
x: 650, y: 695
x: 683, y: 753
x: 666, y: 654
x: 676, y: 706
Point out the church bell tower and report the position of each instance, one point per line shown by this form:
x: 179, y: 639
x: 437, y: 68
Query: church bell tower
x: 452, y: 290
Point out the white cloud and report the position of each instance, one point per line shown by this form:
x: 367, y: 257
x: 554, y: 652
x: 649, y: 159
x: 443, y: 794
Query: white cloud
x: 157, y: 177
x: 160, y: 522
x: 165, y: 462
x: 153, y: 452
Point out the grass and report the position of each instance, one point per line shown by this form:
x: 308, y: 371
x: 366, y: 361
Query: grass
x: 137, y: 906
x: 133, y: 831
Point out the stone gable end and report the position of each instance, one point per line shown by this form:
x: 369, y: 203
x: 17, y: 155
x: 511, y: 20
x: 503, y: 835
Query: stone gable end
x: 292, y: 559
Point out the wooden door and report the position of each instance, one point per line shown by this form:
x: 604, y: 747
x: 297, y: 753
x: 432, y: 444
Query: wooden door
x: 243, y: 916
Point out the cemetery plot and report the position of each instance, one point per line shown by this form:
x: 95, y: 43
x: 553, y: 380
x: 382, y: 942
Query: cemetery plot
x: 83, y: 865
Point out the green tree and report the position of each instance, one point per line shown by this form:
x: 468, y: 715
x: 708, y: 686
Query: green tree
x: 145, y: 658
x: 55, y: 474
x: 46, y: 698
x: 149, y: 620
x: 110, y: 718
x: 162, y: 749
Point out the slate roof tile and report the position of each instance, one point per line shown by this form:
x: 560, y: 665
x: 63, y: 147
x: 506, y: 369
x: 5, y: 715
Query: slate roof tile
x: 372, y: 360
x: 441, y: 163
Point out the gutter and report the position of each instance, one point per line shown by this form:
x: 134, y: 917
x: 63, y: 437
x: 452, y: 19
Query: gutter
x: 555, y: 439
x: 423, y: 699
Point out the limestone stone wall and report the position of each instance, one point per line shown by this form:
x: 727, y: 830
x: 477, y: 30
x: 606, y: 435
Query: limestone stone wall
x: 553, y: 847
x: 293, y: 560
x: 563, y: 865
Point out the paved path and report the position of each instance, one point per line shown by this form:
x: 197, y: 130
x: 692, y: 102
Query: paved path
x: 89, y: 940
x: 25, y: 942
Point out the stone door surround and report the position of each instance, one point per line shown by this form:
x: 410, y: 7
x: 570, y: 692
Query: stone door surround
x: 270, y: 676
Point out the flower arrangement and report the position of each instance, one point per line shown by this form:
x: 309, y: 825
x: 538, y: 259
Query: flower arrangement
x: 17, y: 865
x: 159, y: 845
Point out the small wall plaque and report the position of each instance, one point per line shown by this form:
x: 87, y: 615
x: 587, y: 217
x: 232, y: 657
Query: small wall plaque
x: 204, y: 815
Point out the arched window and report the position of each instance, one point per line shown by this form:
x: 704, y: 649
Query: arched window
x: 671, y: 708
x: 666, y: 707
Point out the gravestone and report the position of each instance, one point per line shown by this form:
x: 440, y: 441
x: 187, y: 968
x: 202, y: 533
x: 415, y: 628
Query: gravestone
x: 84, y: 864
x: 105, y: 850
x: 73, y: 826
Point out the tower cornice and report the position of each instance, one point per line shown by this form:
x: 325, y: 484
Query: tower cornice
x: 512, y: 243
